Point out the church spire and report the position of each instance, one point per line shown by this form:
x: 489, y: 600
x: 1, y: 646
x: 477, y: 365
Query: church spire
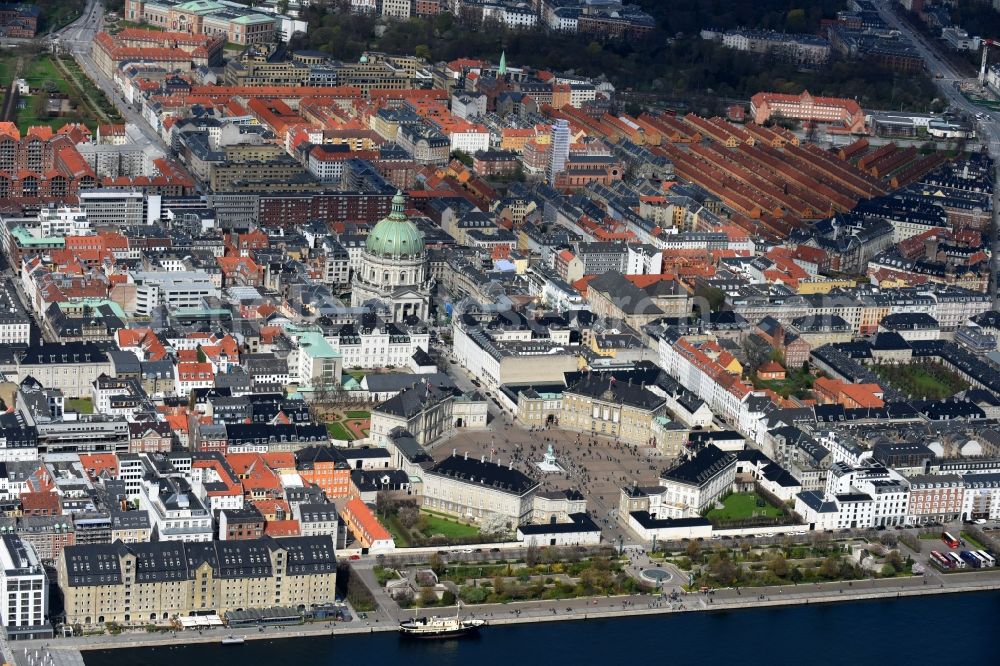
x: 502, y: 69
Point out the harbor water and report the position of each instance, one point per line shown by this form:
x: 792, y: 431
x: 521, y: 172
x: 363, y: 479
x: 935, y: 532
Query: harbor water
x: 860, y: 633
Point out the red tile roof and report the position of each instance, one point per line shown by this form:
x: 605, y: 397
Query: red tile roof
x: 278, y: 528
x: 364, y: 518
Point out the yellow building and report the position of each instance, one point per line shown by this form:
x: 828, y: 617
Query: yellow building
x: 732, y: 366
x: 609, y: 345
x: 143, y: 583
x: 822, y: 285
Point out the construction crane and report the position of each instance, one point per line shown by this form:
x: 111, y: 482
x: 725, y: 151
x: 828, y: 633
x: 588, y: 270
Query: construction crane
x: 987, y: 43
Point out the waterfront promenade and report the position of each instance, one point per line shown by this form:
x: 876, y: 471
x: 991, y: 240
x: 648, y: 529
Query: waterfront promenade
x: 66, y: 651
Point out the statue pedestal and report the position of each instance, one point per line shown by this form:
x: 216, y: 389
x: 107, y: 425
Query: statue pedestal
x: 549, y: 464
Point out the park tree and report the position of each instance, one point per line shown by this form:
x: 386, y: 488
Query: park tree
x: 404, y: 598
x: 595, y: 578
x: 693, y: 550
x: 358, y: 594
x: 756, y: 355
x: 408, y: 515
x: 39, y: 105
x: 493, y: 524
x: 795, y: 20
x: 714, y: 297
x: 428, y: 597
x: 895, y: 560
x: 383, y: 502
x: 531, y: 555
x: 779, y: 566
x: 820, y: 541
x: 830, y: 567
x: 436, y: 563
x: 463, y: 157
x: 722, y: 569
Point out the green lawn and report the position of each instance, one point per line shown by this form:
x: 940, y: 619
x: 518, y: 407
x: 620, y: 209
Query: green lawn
x: 26, y: 118
x: 82, y: 405
x: 398, y: 532
x: 39, y: 70
x: 142, y: 26
x: 358, y: 414
x: 972, y: 541
x: 7, y: 62
x: 922, y: 380
x: 383, y: 575
x: 739, y: 506
x: 796, y: 383
x: 89, y: 93
x: 42, y: 69
x: 447, y: 527
x: 338, y: 431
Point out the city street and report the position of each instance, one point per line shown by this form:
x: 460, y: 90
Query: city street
x: 76, y: 38
x: 988, y: 127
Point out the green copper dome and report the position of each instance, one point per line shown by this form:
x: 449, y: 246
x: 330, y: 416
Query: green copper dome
x: 396, y: 235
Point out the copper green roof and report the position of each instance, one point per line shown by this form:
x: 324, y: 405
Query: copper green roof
x: 254, y: 18
x: 396, y: 235
x: 200, y: 6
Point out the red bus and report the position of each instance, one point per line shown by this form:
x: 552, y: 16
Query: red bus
x: 950, y: 540
x: 941, y: 560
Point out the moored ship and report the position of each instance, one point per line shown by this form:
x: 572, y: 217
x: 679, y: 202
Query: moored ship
x: 439, y: 627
